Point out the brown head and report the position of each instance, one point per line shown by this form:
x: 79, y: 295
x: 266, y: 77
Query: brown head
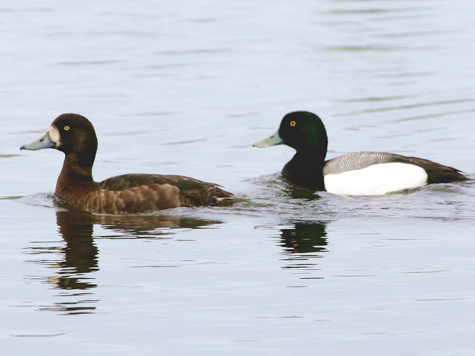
x: 72, y: 134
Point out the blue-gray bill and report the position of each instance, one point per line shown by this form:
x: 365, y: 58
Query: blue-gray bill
x: 275, y: 139
x: 43, y: 142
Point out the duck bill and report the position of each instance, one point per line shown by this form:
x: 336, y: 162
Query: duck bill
x: 275, y: 139
x: 43, y: 142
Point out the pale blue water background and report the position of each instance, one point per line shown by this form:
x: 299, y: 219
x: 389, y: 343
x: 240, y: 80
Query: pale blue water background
x: 185, y: 88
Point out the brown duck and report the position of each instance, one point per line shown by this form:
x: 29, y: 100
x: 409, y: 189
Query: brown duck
x: 74, y: 135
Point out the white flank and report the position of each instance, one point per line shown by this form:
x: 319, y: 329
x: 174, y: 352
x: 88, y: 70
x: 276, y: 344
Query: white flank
x: 54, y: 135
x: 378, y: 179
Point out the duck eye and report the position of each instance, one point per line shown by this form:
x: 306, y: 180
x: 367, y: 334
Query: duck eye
x: 293, y: 123
x: 66, y: 128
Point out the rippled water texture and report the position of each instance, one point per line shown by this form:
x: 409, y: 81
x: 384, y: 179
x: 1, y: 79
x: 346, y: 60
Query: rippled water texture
x: 185, y: 88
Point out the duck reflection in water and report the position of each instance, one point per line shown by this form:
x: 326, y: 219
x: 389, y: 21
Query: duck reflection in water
x: 80, y: 252
x: 303, y: 243
x: 80, y: 256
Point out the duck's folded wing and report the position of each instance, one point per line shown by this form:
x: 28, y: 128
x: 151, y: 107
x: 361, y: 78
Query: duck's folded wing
x: 436, y: 172
x: 190, y: 192
x: 358, y: 160
x: 128, y: 181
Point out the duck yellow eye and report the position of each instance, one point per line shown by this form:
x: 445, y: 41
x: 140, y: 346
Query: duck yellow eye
x: 293, y: 123
x: 66, y: 128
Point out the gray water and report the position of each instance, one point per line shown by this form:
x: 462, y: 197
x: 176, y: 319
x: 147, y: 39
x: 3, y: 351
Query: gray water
x: 185, y: 88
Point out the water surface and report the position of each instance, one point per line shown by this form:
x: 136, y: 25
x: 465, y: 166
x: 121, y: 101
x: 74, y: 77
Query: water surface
x: 186, y: 88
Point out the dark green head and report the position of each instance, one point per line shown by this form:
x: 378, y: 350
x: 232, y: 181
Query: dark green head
x: 301, y: 130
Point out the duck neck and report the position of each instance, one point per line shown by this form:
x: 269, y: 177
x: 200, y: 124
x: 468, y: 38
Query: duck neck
x: 74, y: 172
x: 306, y: 170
